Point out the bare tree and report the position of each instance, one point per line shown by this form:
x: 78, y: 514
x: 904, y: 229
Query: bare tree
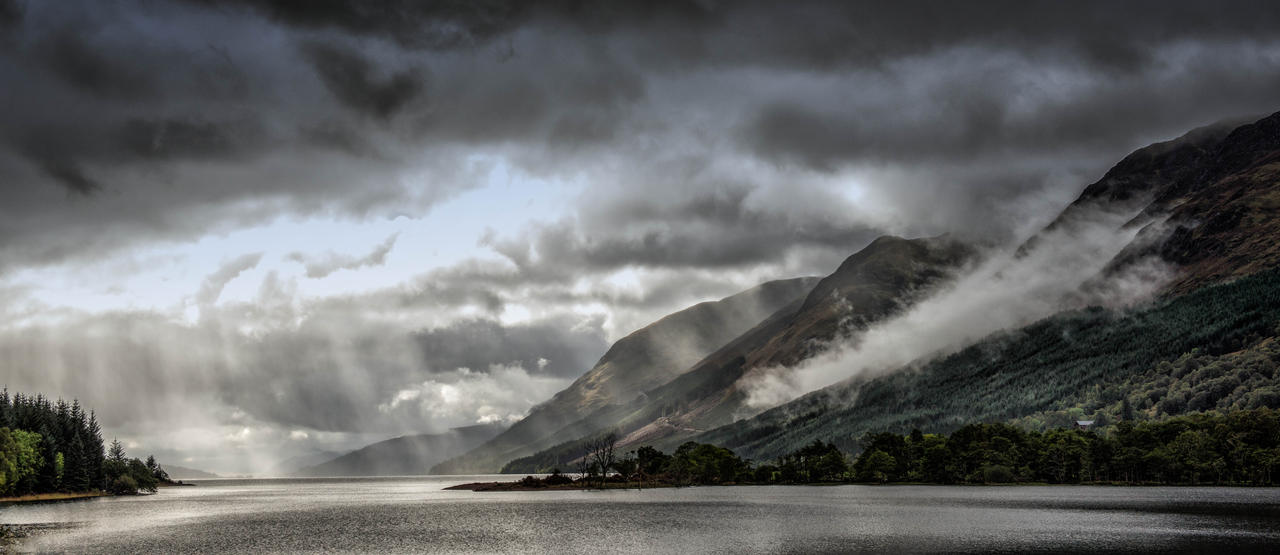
x: 601, y: 454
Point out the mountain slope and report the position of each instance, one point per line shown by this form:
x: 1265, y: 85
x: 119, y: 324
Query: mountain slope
x: 1206, y: 204
x: 183, y: 473
x: 405, y: 455
x: 1014, y: 374
x: 878, y: 281
x: 640, y: 361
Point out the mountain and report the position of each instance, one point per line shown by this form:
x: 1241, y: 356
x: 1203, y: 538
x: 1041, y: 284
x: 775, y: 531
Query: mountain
x: 1206, y: 205
x: 880, y: 280
x: 1034, y: 369
x: 405, y: 455
x: 1208, y: 202
x: 646, y: 358
x: 183, y: 473
x: 295, y: 463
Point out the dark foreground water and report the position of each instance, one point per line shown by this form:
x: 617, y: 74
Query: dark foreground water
x: 415, y: 515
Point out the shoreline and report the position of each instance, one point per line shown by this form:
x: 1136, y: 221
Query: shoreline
x: 518, y: 486
x: 49, y: 497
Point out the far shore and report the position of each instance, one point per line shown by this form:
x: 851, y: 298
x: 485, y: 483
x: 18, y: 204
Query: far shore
x: 578, y: 486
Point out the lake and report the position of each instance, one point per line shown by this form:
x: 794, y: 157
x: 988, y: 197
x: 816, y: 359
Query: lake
x: 415, y: 515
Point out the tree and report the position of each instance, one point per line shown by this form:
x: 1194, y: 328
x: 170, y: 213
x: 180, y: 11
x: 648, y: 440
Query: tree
x: 626, y: 467
x: 116, y: 453
x: 76, y: 476
x: 877, y: 466
x: 601, y: 454
x: 832, y: 466
x: 20, y: 461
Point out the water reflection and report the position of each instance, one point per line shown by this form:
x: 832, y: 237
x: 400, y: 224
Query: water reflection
x: 415, y: 515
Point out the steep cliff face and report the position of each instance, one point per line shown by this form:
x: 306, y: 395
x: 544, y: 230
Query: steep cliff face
x: 647, y: 358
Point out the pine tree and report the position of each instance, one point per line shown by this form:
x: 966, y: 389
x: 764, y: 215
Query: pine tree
x: 116, y: 454
x: 94, y: 456
x: 6, y: 410
x: 76, y: 472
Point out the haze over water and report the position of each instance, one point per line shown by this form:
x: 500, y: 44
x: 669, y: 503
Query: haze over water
x: 416, y: 515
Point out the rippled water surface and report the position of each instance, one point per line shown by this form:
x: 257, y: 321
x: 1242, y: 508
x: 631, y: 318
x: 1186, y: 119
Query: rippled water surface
x: 416, y: 515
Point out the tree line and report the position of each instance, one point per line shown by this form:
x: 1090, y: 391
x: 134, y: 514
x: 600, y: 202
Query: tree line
x: 1236, y: 448
x: 1239, y: 447
x: 49, y: 446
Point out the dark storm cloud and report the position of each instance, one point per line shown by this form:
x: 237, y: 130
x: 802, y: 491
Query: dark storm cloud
x: 150, y: 99
x: 451, y: 24
x: 87, y: 68
x: 709, y: 227
x: 10, y: 12
x: 351, y: 78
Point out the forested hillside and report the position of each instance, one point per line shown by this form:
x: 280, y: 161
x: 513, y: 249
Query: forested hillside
x: 1194, y: 382
x: 1019, y: 373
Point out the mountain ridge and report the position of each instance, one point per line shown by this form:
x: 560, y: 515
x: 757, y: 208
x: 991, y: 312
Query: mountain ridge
x: 641, y: 360
x: 406, y: 455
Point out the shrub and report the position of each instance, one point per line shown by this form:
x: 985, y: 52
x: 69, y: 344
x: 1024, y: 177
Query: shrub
x: 997, y: 474
x: 124, y: 485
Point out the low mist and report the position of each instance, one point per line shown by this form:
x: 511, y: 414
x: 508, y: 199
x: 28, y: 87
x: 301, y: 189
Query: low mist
x: 1067, y: 267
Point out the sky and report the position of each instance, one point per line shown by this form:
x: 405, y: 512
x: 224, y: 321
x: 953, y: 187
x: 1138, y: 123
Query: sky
x: 244, y: 231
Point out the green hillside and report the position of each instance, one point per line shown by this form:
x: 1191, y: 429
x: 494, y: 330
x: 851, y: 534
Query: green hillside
x: 1051, y: 365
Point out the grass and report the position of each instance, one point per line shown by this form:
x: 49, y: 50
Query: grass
x: 38, y: 497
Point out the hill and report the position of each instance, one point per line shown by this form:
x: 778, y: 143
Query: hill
x: 1018, y: 373
x: 405, y: 455
x: 183, y: 473
x: 1205, y: 204
x: 880, y: 280
x: 646, y: 358
x: 1192, y: 212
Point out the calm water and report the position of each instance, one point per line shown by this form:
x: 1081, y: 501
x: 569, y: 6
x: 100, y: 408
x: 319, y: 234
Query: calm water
x: 414, y: 515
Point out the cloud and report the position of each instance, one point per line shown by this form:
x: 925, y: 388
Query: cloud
x: 562, y: 347
x: 350, y: 77
x: 169, y: 120
x: 501, y: 394
x: 322, y: 266
x: 211, y: 289
x: 672, y: 152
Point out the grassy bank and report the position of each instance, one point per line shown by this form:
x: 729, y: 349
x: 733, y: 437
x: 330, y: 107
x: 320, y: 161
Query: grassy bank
x: 38, y: 497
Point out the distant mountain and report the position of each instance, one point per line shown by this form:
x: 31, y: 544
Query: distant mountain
x: 405, y: 455
x: 647, y: 358
x: 879, y: 281
x: 183, y: 473
x: 295, y: 463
